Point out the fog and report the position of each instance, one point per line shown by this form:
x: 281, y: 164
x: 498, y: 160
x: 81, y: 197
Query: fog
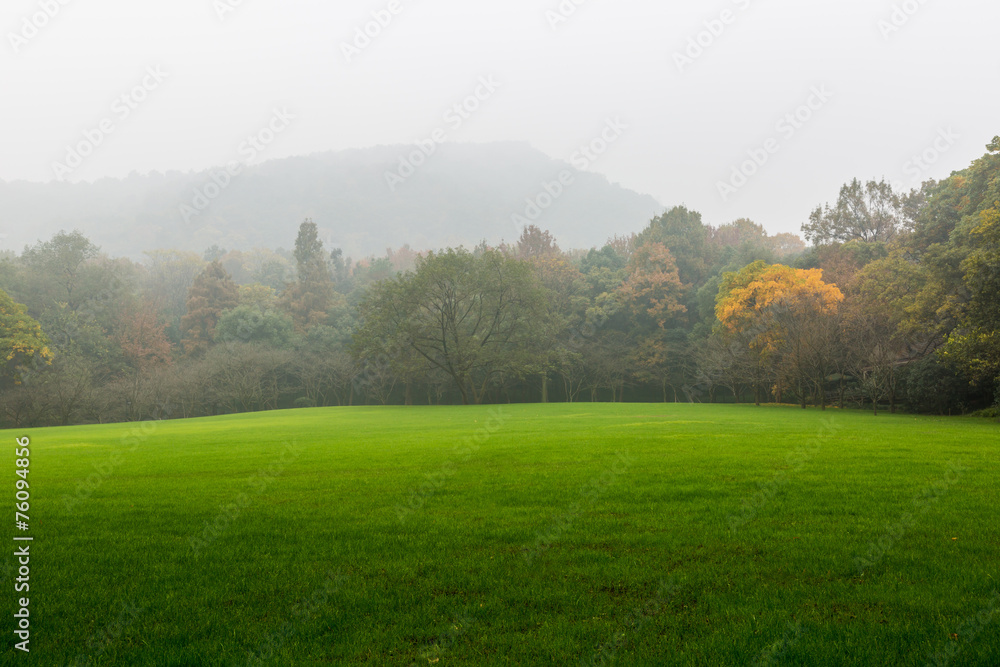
x: 811, y: 94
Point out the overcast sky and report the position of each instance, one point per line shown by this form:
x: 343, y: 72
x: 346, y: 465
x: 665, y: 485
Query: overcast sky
x: 887, y: 80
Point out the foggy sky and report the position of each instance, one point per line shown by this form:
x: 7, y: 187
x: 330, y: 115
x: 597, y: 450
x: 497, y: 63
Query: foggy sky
x: 885, y: 85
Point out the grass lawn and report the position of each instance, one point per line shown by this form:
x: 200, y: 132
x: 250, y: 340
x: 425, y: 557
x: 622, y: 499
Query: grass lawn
x: 577, y: 534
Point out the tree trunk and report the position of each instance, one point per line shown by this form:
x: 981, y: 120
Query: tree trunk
x: 545, y: 388
x: 477, y: 398
x: 464, y: 390
x: 409, y: 394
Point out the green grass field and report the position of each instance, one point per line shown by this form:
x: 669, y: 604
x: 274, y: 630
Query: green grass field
x: 587, y: 534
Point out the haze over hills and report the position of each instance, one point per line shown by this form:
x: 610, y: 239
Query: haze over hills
x: 461, y: 195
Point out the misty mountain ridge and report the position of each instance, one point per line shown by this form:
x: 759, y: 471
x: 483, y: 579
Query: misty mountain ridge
x: 363, y: 201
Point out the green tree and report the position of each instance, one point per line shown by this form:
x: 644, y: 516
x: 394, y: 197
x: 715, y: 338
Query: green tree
x: 267, y: 268
x: 471, y: 317
x: 868, y: 212
x: 975, y: 344
x: 324, y: 367
x: 683, y: 233
x: 245, y: 377
x: 251, y: 324
x: 262, y: 296
x: 167, y: 279
x: 59, y: 265
x: 902, y: 292
x: 341, y: 270
x: 658, y: 359
x: 213, y: 253
x: 606, y: 258
x: 936, y: 386
x: 956, y: 202
x: 309, y: 298
x: 982, y: 272
x: 565, y: 290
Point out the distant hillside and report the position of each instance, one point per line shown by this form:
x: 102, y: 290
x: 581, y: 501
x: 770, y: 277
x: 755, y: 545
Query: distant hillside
x: 463, y: 194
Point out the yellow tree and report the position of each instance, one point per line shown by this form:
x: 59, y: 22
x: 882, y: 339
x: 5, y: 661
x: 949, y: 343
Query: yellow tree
x: 21, y: 339
x: 784, y: 318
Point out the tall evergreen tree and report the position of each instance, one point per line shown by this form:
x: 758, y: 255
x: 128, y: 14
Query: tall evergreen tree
x: 311, y: 296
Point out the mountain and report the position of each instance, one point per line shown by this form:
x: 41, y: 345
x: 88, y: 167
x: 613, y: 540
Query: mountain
x: 460, y: 195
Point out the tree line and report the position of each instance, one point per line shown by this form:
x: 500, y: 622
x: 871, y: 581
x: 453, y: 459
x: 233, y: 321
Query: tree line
x: 894, y: 305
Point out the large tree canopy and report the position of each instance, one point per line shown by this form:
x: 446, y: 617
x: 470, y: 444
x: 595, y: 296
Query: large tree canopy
x: 682, y: 232
x: 59, y: 263
x: 472, y: 317
x: 780, y: 320
x: 653, y: 287
x: 869, y: 212
x: 755, y: 294
x: 975, y: 344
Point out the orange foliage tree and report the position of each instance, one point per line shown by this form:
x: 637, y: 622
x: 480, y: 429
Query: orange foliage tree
x: 653, y: 293
x: 653, y: 286
x: 784, y: 319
